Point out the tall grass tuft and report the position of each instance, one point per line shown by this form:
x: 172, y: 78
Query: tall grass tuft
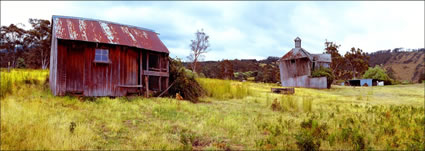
x: 225, y: 89
x: 19, y: 76
x: 289, y: 103
x: 5, y: 84
x: 307, y: 104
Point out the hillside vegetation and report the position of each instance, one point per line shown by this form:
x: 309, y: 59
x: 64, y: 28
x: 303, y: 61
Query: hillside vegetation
x: 233, y: 115
x: 405, y: 65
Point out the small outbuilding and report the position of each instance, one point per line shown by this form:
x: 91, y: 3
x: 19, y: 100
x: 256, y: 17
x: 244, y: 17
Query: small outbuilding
x: 364, y: 82
x: 296, y: 67
x: 100, y: 58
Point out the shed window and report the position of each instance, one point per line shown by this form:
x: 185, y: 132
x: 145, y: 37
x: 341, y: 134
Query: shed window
x: 154, y: 62
x: 102, y: 55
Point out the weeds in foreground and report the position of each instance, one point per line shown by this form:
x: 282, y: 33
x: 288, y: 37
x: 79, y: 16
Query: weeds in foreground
x: 306, y: 141
x: 32, y: 119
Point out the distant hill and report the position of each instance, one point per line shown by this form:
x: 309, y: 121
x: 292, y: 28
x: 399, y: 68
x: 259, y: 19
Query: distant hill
x: 405, y: 65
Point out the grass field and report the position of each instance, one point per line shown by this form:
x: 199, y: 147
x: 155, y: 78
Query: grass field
x: 233, y: 115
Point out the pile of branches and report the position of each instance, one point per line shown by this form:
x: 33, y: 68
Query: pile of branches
x: 184, y: 82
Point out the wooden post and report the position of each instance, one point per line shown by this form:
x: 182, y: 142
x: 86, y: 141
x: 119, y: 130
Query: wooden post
x: 160, y: 70
x: 8, y: 66
x: 168, y: 71
x: 160, y: 63
x: 141, y: 69
x: 159, y: 83
x: 166, y: 82
x: 168, y: 66
x: 147, y: 61
x: 147, y: 85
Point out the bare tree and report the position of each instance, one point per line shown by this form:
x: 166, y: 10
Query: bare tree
x: 198, y: 47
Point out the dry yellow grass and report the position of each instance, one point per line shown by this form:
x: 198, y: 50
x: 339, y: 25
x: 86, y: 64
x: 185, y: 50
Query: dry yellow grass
x: 389, y: 117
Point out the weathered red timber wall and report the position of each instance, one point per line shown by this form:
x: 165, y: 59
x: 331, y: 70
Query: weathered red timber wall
x: 79, y: 74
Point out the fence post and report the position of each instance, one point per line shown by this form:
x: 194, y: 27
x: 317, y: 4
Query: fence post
x: 8, y: 66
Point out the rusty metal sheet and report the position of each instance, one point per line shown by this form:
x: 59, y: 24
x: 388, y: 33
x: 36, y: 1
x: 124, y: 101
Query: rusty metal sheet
x: 73, y: 28
x: 296, y: 53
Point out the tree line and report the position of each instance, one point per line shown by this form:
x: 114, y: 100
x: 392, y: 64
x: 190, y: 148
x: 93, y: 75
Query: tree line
x: 353, y: 64
x: 20, y: 48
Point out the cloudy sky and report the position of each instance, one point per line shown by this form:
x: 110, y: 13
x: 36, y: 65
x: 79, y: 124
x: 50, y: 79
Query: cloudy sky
x: 249, y: 30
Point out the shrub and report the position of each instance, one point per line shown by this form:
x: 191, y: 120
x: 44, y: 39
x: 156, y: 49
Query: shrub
x: 324, y: 72
x: 306, y: 141
x: 358, y: 141
x: 346, y: 133
x: 377, y: 73
x: 319, y: 131
x: 311, y: 134
x: 184, y: 82
x: 332, y: 138
x: 307, y: 124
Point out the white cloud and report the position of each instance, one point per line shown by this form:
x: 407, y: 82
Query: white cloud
x: 20, y: 11
x: 395, y: 24
x: 247, y: 30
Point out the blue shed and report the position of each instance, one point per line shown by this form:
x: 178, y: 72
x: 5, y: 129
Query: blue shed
x: 366, y: 81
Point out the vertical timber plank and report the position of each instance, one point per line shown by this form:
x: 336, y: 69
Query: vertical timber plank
x: 140, y: 69
x: 147, y: 85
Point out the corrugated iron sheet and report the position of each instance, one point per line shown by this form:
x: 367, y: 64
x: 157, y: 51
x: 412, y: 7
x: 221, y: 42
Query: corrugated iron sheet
x: 305, y: 82
x: 322, y: 57
x: 73, y: 28
x: 296, y: 53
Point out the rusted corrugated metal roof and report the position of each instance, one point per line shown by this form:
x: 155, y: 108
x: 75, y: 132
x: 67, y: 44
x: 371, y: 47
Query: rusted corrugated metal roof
x: 296, y: 53
x: 73, y: 28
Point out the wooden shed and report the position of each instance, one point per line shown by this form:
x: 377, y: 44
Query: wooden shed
x: 101, y: 58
